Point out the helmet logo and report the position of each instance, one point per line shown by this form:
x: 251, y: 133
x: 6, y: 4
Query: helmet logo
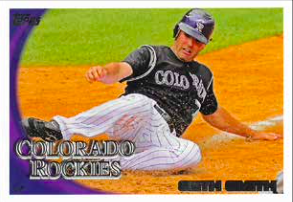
x: 199, y: 26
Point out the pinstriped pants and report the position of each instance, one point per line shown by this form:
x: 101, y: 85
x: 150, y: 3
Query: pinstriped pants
x: 134, y: 117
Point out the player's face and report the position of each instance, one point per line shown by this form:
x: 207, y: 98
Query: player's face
x: 186, y: 47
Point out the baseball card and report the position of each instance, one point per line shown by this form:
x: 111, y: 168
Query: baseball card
x: 133, y: 99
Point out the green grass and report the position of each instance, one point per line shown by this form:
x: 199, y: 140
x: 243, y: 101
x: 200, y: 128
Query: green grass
x: 88, y: 36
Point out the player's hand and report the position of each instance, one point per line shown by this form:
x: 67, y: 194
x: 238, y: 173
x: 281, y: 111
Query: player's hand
x: 265, y: 136
x: 96, y: 73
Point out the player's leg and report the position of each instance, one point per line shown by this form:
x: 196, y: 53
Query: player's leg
x: 106, y: 117
x: 160, y: 158
x: 157, y: 148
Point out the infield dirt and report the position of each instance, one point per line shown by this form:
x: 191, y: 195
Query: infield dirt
x: 248, y: 83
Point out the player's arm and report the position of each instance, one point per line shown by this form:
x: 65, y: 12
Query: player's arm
x: 110, y: 73
x: 135, y: 64
x: 224, y: 121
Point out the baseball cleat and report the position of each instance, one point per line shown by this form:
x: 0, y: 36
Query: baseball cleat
x: 48, y: 131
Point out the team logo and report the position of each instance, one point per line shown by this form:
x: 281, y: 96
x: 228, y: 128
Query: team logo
x: 199, y: 26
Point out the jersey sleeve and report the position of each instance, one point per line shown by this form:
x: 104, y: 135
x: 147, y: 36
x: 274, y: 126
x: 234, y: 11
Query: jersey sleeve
x: 139, y: 60
x: 210, y: 104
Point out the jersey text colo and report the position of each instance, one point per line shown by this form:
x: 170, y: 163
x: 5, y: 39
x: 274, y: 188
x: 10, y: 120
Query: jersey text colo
x: 171, y: 78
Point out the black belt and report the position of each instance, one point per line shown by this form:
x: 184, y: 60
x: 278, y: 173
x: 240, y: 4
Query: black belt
x: 166, y: 116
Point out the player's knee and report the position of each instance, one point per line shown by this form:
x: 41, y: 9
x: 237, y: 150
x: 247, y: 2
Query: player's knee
x: 195, y: 155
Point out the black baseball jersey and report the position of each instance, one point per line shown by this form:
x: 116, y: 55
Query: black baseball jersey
x: 182, y: 89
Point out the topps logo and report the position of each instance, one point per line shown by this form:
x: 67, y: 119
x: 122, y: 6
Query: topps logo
x: 22, y: 19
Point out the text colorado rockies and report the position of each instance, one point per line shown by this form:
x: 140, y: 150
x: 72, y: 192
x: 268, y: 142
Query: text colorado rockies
x: 74, y: 160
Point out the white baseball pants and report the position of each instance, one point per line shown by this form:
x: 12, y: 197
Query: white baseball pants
x: 133, y: 117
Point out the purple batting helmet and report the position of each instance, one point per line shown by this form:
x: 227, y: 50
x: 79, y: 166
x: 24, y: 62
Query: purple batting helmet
x: 196, y: 23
